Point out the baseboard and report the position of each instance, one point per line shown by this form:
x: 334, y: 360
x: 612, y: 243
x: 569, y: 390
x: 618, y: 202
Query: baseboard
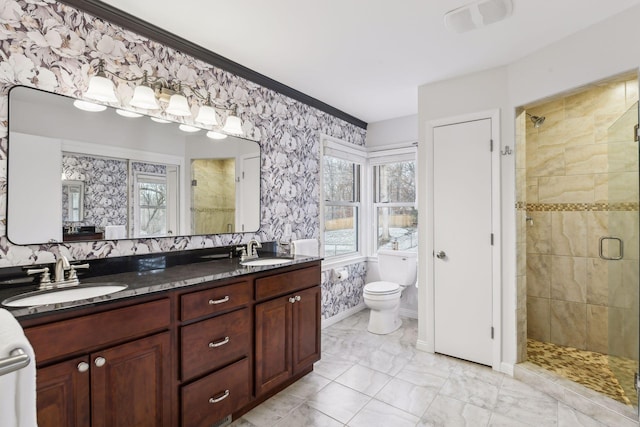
x: 343, y: 315
x: 423, y: 346
x: 405, y: 312
x: 507, y: 368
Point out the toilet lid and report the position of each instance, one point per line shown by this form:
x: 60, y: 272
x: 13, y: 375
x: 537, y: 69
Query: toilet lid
x: 381, y: 287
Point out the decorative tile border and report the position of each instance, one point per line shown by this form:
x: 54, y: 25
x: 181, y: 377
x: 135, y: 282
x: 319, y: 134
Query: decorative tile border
x: 578, y: 207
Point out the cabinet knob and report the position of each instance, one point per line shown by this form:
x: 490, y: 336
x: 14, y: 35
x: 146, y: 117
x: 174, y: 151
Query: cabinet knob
x: 292, y: 300
x: 83, y: 366
x: 100, y: 361
x: 218, y: 301
x: 219, y: 343
x: 219, y: 399
x: 298, y: 297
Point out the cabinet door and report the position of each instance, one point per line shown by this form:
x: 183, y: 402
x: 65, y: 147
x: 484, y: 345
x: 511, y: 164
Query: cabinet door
x: 63, y: 394
x: 273, y: 343
x: 306, y: 328
x: 130, y: 384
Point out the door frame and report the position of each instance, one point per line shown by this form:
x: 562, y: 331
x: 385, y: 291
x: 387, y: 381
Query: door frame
x: 426, y: 268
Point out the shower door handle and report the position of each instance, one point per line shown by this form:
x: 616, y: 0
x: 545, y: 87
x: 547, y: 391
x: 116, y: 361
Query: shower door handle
x: 601, y: 248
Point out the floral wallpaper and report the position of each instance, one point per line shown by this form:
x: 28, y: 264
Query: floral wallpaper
x: 105, y: 188
x: 55, y: 47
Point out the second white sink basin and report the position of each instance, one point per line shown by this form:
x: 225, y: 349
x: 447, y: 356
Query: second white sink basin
x: 265, y: 261
x: 56, y: 296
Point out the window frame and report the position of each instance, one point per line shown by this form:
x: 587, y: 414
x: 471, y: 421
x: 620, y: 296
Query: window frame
x: 147, y: 177
x: 339, y: 149
x: 382, y: 156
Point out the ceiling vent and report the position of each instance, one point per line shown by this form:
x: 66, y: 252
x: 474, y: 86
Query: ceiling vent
x: 477, y: 15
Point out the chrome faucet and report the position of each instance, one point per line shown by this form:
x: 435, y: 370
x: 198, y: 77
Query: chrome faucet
x: 252, y: 246
x: 59, y: 280
x: 62, y: 265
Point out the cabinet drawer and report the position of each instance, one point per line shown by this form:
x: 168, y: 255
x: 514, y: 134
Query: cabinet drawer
x: 280, y: 284
x: 215, y: 342
x: 216, y: 396
x: 214, y: 300
x: 84, y: 333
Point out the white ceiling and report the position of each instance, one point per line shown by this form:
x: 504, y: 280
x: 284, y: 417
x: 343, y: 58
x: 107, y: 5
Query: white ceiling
x: 365, y: 57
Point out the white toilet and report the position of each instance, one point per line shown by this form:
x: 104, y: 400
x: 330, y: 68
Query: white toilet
x: 398, y: 269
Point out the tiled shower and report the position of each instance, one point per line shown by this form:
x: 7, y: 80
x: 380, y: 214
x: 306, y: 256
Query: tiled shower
x: 577, y: 180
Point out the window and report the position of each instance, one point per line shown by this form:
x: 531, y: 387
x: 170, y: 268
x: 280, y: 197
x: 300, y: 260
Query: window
x: 151, y: 195
x: 341, y: 185
x: 394, y: 199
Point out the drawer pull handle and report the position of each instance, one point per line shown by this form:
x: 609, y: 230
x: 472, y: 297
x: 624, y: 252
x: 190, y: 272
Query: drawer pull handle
x: 219, y: 399
x: 218, y: 301
x: 219, y: 343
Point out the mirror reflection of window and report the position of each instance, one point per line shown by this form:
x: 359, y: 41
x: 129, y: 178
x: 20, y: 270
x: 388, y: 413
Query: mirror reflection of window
x: 151, y: 204
x: 72, y: 201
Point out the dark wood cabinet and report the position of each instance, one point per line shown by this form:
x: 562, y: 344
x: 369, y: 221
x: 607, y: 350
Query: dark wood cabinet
x: 131, y: 383
x: 63, y: 394
x: 189, y: 357
x: 287, y: 334
x: 120, y: 386
x: 111, y: 368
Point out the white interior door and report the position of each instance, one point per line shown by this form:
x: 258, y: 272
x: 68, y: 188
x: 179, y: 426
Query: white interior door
x: 463, y: 241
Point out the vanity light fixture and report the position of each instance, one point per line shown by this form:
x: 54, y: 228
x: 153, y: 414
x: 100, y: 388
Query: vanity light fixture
x: 155, y: 93
x: 233, y: 125
x: 88, y: 106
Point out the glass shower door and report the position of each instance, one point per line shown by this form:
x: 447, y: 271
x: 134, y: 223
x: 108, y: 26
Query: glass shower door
x: 619, y: 247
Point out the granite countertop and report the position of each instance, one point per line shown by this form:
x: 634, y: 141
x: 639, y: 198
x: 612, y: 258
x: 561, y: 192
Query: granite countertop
x: 148, y: 281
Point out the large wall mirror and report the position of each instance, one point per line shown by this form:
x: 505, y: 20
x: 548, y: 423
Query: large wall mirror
x: 78, y: 175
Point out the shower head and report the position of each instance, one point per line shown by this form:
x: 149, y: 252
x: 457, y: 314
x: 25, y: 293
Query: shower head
x: 536, y: 120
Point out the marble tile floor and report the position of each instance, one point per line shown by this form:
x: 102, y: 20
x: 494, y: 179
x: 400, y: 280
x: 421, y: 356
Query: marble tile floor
x: 367, y: 380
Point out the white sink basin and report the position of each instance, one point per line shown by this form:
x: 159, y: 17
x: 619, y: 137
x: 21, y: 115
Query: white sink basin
x: 265, y: 261
x: 56, y: 296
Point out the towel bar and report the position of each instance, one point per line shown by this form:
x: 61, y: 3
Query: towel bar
x: 18, y: 360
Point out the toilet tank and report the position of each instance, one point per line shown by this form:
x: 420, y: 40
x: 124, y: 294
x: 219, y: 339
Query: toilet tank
x: 398, y: 266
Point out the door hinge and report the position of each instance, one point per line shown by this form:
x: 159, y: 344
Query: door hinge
x: 491, y: 145
x: 194, y: 182
x: 636, y: 381
x: 491, y: 239
x: 636, y: 133
x: 492, y: 331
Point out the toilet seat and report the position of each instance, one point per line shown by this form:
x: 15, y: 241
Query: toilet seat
x: 381, y: 288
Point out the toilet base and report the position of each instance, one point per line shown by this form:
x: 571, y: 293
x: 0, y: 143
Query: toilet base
x: 383, y: 322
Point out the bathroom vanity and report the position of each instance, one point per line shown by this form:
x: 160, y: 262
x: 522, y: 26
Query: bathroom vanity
x: 188, y: 345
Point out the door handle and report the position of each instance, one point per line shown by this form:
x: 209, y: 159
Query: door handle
x: 441, y: 254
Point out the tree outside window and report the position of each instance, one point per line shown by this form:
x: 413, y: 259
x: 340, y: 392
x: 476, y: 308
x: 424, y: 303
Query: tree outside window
x: 394, y: 204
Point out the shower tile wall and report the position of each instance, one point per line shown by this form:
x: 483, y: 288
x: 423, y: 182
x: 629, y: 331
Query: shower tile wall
x: 569, y: 163
x: 214, y: 195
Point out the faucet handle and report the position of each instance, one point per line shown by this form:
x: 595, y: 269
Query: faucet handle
x: 73, y: 268
x: 45, y: 278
